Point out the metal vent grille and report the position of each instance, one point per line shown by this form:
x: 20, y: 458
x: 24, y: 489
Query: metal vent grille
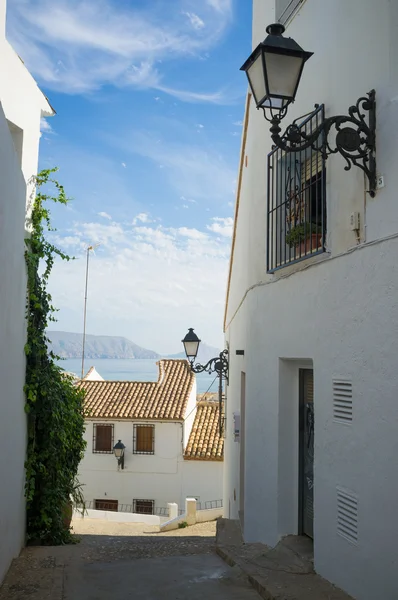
x: 347, y: 515
x: 342, y: 400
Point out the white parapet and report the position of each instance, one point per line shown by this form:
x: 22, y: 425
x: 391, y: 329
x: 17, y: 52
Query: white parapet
x: 191, y: 516
x: 173, y: 510
x: 117, y: 517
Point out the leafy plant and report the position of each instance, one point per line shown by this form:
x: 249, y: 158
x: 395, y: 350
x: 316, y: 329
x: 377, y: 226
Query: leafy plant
x: 182, y: 525
x: 54, y: 404
x: 300, y: 233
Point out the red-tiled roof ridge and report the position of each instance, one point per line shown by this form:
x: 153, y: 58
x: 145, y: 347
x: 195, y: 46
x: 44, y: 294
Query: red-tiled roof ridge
x: 165, y: 399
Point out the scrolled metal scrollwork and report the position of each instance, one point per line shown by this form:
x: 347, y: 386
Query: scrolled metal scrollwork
x: 218, y: 365
x: 355, y: 138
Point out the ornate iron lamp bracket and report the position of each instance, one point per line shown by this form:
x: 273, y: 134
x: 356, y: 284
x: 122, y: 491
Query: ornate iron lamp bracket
x: 217, y: 365
x: 355, y: 138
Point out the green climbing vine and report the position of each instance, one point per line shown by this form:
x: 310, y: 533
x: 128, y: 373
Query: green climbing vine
x: 54, y: 405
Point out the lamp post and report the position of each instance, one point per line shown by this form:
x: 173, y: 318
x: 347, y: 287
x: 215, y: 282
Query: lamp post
x: 89, y: 248
x: 274, y: 71
x: 219, y: 365
x: 118, y: 450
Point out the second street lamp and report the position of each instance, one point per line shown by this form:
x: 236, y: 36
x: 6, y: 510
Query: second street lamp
x: 218, y: 364
x: 118, y: 450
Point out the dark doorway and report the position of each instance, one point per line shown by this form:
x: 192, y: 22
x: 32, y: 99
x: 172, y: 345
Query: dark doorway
x: 306, y: 453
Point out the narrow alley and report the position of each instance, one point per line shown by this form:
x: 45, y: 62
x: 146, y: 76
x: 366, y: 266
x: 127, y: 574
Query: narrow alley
x: 120, y: 561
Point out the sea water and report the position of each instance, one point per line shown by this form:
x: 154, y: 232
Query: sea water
x: 131, y: 369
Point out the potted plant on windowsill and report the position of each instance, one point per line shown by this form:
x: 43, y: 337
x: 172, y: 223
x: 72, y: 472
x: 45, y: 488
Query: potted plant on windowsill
x: 307, y: 237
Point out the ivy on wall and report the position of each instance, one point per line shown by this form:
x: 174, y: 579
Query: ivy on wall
x: 54, y: 405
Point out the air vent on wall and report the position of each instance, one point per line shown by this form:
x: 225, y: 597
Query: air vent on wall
x: 347, y: 515
x: 342, y: 400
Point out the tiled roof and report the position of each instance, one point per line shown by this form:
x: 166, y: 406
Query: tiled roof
x: 166, y: 399
x: 204, y: 442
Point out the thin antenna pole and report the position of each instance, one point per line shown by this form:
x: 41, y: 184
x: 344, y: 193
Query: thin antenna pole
x: 85, y: 309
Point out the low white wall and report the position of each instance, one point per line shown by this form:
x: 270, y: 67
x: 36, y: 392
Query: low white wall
x: 191, y: 516
x: 202, y: 516
x: 117, y: 517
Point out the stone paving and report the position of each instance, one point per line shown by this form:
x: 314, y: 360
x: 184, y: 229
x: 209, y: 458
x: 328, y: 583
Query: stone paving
x: 127, y: 560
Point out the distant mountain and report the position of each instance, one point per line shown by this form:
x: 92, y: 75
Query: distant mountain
x: 204, y: 355
x: 69, y: 345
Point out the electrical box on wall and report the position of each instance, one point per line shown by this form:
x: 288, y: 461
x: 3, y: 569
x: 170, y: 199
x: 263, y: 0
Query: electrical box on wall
x: 355, y: 221
x: 236, y: 427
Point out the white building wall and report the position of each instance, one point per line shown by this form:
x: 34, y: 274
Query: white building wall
x: 21, y: 105
x: 152, y: 477
x: 202, y: 479
x: 163, y: 477
x: 339, y: 315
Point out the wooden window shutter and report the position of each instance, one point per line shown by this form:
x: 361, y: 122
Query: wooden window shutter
x: 103, y: 438
x: 145, y: 438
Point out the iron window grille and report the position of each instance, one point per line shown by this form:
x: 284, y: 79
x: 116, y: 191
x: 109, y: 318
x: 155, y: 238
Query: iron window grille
x: 144, y: 507
x: 110, y: 505
x: 296, y: 216
x: 144, y: 439
x: 103, y: 435
x: 284, y: 9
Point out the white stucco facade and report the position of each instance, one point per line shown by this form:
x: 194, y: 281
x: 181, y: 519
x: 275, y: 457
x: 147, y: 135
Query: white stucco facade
x: 21, y: 106
x: 163, y: 477
x: 336, y: 314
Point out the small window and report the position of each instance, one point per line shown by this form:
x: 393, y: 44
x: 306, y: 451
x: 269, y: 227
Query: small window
x: 144, y: 439
x: 296, y: 224
x: 111, y: 505
x: 284, y: 9
x: 102, y: 438
x: 143, y: 507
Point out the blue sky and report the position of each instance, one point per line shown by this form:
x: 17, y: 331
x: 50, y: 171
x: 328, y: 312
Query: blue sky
x: 149, y: 101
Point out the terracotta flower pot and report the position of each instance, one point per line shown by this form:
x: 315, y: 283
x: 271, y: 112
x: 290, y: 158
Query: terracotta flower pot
x: 311, y: 244
x: 67, y: 515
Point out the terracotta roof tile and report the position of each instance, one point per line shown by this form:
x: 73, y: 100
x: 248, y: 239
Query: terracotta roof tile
x: 165, y: 399
x: 204, y: 442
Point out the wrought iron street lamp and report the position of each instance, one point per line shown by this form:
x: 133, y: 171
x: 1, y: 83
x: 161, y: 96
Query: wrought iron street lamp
x: 274, y: 71
x: 219, y: 365
x: 118, y: 450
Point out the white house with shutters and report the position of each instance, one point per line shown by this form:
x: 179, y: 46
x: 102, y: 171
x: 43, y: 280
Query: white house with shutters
x: 22, y: 105
x: 173, y: 449
x: 312, y: 308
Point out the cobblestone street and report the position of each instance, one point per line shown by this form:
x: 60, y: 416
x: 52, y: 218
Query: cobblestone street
x: 120, y: 561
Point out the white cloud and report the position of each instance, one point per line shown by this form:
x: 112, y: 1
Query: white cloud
x: 195, y: 172
x: 124, y: 165
x: 194, y: 234
x: 145, y: 284
x: 45, y: 126
x: 105, y: 215
x: 222, y: 226
x: 221, y: 6
x: 238, y: 123
x: 200, y: 125
x: 196, y: 22
x: 142, y: 218
x: 78, y: 46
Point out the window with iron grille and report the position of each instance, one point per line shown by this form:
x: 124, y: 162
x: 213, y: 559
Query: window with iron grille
x: 111, y: 505
x: 284, y: 9
x: 144, y: 439
x: 143, y: 507
x: 102, y: 438
x: 296, y: 223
